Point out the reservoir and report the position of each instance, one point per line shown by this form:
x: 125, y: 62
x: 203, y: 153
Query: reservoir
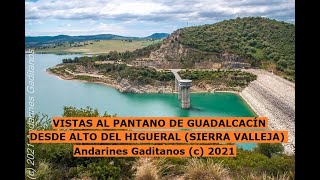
x: 51, y: 94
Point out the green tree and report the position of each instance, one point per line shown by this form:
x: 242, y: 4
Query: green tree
x: 114, y: 55
x: 269, y: 149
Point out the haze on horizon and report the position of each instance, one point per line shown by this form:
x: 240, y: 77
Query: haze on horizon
x: 142, y: 18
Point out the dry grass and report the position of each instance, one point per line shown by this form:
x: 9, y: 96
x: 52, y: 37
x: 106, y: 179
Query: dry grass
x: 146, y: 169
x: 101, y: 47
x: 206, y: 169
x: 150, y: 168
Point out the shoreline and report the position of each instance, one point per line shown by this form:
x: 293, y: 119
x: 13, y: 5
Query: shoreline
x: 252, y: 106
x: 253, y: 101
x: 272, y: 97
x: 117, y: 88
x: 233, y: 92
x: 85, y: 81
x: 120, y: 88
x: 174, y: 92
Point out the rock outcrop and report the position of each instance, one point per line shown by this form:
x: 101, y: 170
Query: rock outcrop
x: 172, y: 54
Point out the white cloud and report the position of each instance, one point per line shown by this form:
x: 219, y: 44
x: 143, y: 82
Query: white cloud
x: 67, y: 29
x: 142, y: 17
x: 156, y: 10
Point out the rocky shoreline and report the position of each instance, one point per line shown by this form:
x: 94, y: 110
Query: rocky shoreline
x: 124, y: 85
x: 273, y: 97
x: 121, y: 85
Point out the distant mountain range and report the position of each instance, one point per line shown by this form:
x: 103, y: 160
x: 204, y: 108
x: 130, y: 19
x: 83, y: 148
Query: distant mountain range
x: 158, y: 35
x: 35, y: 41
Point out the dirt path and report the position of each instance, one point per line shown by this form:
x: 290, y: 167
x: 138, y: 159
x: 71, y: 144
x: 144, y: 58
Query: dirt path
x: 85, y: 74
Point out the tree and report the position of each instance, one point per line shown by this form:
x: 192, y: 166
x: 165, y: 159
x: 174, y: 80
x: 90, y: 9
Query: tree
x: 268, y: 149
x: 282, y: 63
x: 114, y: 55
x: 101, y: 57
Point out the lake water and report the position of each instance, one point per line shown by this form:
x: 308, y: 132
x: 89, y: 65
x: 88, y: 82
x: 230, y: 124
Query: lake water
x: 51, y: 94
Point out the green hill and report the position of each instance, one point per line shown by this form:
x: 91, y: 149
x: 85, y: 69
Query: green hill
x: 267, y: 43
x: 38, y: 41
x: 241, y: 42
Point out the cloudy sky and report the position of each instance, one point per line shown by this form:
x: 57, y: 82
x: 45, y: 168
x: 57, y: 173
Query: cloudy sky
x: 142, y: 17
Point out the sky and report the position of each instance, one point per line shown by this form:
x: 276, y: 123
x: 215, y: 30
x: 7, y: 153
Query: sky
x: 142, y: 18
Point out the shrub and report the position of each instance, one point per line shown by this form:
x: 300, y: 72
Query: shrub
x: 269, y: 149
x: 146, y: 170
x: 206, y: 169
x: 153, y: 169
x: 56, y: 161
x: 43, y: 170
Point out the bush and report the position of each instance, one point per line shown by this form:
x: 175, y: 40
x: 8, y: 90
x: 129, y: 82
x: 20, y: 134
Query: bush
x: 230, y: 78
x: 44, y: 170
x: 153, y: 169
x: 269, y: 149
x: 55, y: 161
x: 206, y: 169
x: 146, y: 169
x: 252, y: 38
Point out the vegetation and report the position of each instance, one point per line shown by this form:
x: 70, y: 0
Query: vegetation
x: 55, y: 161
x: 206, y: 169
x: 229, y: 78
x: 43, y: 41
x: 269, y: 149
x: 85, y: 78
x: 146, y: 169
x: 61, y: 70
x: 137, y: 75
x: 115, y: 55
x: 96, y: 46
x: 221, y: 79
x: 249, y: 165
x: 266, y: 43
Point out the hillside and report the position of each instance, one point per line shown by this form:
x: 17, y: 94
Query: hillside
x: 38, y: 41
x: 254, y: 41
x: 236, y: 43
x: 137, y: 79
x: 44, y: 40
x: 96, y: 46
x: 158, y: 35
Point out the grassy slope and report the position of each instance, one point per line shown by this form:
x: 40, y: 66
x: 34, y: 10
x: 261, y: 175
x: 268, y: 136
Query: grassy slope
x: 100, y: 47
